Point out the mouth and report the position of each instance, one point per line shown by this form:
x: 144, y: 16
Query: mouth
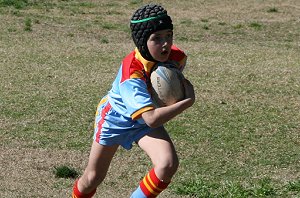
x: 164, y: 52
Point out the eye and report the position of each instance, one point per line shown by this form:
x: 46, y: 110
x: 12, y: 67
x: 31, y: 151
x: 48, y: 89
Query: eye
x: 157, y: 38
x: 170, y: 35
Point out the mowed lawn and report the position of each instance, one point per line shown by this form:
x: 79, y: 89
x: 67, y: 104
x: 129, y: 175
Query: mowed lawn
x: 240, y: 139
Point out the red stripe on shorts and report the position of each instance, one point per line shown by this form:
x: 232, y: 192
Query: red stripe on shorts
x: 100, y: 123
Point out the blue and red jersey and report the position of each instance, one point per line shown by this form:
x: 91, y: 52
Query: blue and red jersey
x: 129, y: 94
x: 118, y: 118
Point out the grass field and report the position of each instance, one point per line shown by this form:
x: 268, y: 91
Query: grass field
x: 240, y: 139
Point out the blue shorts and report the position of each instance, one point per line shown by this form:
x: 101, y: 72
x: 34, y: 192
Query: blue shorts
x: 112, y: 128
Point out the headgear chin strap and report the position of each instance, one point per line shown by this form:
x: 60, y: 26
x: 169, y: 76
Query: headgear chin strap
x: 145, y: 21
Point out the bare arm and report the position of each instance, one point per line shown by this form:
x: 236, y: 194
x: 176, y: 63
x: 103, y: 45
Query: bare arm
x: 159, y: 116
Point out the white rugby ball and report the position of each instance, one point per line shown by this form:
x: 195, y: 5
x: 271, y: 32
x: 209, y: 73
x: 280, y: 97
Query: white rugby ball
x: 167, y: 84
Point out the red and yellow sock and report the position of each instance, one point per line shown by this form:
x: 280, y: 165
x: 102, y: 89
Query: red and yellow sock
x: 150, y: 186
x: 77, y: 194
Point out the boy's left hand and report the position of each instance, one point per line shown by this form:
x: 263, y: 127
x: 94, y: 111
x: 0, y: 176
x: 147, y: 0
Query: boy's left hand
x: 189, y: 91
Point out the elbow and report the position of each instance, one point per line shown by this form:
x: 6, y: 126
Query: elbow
x: 151, y: 120
x: 153, y: 123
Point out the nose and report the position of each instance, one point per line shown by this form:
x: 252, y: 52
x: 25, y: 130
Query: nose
x: 164, y: 42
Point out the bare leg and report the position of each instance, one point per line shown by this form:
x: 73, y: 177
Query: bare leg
x: 95, y: 172
x: 161, y: 151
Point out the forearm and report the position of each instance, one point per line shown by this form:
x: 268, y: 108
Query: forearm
x: 159, y: 116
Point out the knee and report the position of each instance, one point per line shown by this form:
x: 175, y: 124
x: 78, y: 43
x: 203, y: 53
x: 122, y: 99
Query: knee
x: 168, y: 166
x: 172, y: 165
x: 91, y: 179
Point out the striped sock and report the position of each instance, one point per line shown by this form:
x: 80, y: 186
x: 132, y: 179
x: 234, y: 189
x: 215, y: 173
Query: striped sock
x: 150, y: 186
x: 77, y: 194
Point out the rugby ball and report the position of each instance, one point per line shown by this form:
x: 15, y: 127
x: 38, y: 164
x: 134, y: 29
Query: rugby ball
x: 167, y: 84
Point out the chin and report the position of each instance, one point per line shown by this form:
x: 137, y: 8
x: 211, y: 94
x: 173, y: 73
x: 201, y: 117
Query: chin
x: 164, y: 59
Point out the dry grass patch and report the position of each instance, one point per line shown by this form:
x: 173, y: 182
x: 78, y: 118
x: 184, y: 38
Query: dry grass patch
x: 27, y: 172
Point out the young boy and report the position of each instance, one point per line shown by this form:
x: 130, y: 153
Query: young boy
x: 127, y: 114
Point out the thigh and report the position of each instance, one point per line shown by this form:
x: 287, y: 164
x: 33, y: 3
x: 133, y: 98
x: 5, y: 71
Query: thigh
x: 159, y: 147
x: 101, y: 156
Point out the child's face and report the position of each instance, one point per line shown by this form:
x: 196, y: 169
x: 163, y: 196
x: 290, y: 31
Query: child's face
x: 159, y: 44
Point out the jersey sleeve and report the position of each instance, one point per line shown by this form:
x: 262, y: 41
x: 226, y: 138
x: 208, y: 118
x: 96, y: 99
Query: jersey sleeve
x: 136, y: 97
x: 178, y: 57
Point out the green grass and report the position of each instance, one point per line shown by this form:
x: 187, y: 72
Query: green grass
x: 293, y: 186
x: 241, y: 137
x: 200, y: 188
x: 28, y: 24
x: 65, y: 172
x: 18, y: 4
x: 273, y: 9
